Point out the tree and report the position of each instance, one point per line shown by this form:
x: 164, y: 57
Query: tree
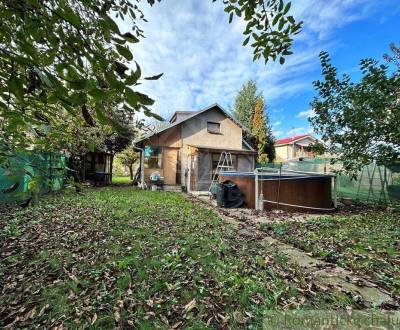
x: 359, y: 121
x: 245, y: 104
x: 66, y: 61
x: 395, y: 58
x: 269, y: 28
x: 57, y: 59
x: 262, y: 134
x: 128, y: 158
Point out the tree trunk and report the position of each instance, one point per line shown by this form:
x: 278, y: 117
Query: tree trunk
x: 111, y: 168
x: 131, y: 171
x: 136, y: 177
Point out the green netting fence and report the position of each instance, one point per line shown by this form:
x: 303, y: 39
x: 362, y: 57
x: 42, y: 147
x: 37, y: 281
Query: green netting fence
x: 31, y: 172
x: 374, y: 183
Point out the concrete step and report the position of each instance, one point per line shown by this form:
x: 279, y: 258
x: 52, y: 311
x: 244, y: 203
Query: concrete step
x: 172, y: 188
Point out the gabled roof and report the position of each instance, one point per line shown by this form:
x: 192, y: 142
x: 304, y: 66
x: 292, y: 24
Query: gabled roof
x: 293, y: 139
x: 180, y: 114
x: 195, y: 113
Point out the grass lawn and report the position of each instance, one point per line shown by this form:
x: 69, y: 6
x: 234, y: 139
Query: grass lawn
x: 368, y: 244
x: 128, y: 258
x: 121, y: 180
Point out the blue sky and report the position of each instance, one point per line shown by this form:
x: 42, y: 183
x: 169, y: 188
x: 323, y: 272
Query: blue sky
x: 204, y: 62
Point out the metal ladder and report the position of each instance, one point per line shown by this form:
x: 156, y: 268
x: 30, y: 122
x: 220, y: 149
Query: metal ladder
x: 224, y: 164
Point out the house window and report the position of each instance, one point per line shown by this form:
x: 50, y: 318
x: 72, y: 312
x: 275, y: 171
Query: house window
x: 213, y: 128
x: 215, y: 159
x: 152, y: 157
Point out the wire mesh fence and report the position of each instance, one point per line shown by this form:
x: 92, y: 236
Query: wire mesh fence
x: 30, y: 172
x: 374, y: 183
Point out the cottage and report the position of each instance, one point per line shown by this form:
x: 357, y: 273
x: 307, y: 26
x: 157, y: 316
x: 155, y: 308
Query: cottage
x: 295, y: 148
x: 186, y: 152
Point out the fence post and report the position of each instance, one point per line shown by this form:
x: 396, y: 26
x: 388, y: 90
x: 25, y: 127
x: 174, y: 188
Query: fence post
x: 50, y: 173
x: 256, y: 189
x: 335, y: 191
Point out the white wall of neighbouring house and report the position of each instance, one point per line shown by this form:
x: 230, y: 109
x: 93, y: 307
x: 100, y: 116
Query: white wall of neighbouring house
x: 281, y: 153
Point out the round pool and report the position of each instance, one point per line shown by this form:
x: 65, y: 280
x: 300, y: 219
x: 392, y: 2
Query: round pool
x: 288, y: 191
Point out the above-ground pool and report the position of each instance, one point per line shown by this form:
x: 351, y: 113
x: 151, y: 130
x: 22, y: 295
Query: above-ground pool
x: 288, y: 191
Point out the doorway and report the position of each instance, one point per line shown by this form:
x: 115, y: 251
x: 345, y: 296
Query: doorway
x: 170, y: 165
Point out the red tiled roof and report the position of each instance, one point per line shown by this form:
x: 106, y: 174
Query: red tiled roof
x: 290, y: 139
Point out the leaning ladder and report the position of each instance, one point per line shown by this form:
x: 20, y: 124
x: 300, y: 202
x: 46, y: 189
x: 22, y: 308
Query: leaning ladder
x: 224, y: 164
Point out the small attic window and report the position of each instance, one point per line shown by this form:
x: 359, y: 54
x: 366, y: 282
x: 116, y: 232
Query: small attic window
x: 213, y: 127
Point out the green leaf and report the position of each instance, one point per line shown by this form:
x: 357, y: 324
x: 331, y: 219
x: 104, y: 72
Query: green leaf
x: 291, y: 19
x: 287, y: 7
x: 43, y: 77
x: 280, y: 7
x: 103, y: 119
x: 156, y: 77
x: 72, y: 18
x: 132, y: 97
x: 149, y: 113
x: 119, y: 41
x: 287, y: 52
x: 281, y: 23
x: 144, y: 99
x: 16, y: 87
x: 246, y: 41
x: 276, y: 18
x: 111, y: 23
x: 125, y: 52
x: 130, y: 37
x: 79, y: 84
x: 134, y: 77
x: 77, y: 98
x: 282, y: 60
x: 120, y: 68
x: 98, y: 94
x: 113, y: 81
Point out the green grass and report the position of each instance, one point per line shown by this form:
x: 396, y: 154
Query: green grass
x: 119, y: 257
x: 368, y: 243
x: 121, y: 180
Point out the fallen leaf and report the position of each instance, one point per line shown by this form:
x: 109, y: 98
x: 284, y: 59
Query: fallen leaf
x: 94, y: 318
x: 188, y: 307
x: 176, y: 325
x: 117, y: 316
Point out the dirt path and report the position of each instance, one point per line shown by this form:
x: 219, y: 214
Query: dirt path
x: 326, y: 275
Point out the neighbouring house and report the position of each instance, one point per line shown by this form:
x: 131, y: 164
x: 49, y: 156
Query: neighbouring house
x: 187, y: 151
x: 294, y: 148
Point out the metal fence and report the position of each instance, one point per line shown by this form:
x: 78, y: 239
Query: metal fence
x: 31, y: 173
x: 374, y: 183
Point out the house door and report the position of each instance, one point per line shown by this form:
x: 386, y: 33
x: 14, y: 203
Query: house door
x: 170, y: 161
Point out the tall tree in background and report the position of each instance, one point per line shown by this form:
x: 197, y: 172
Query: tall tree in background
x: 245, y: 104
x: 359, y: 121
x: 262, y: 133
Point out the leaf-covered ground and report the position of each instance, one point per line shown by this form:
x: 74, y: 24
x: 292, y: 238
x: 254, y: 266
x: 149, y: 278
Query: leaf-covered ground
x: 368, y: 244
x: 141, y: 259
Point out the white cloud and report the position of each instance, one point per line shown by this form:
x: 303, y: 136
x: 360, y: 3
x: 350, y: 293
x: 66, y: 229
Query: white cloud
x: 276, y: 123
x: 306, y: 114
x: 278, y: 133
x: 299, y: 131
x: 204, y: 62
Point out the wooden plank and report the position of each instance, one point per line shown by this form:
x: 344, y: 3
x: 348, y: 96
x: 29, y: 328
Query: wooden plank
x: 169, y: 165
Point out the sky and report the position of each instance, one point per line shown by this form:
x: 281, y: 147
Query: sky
x: 204, y: 62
